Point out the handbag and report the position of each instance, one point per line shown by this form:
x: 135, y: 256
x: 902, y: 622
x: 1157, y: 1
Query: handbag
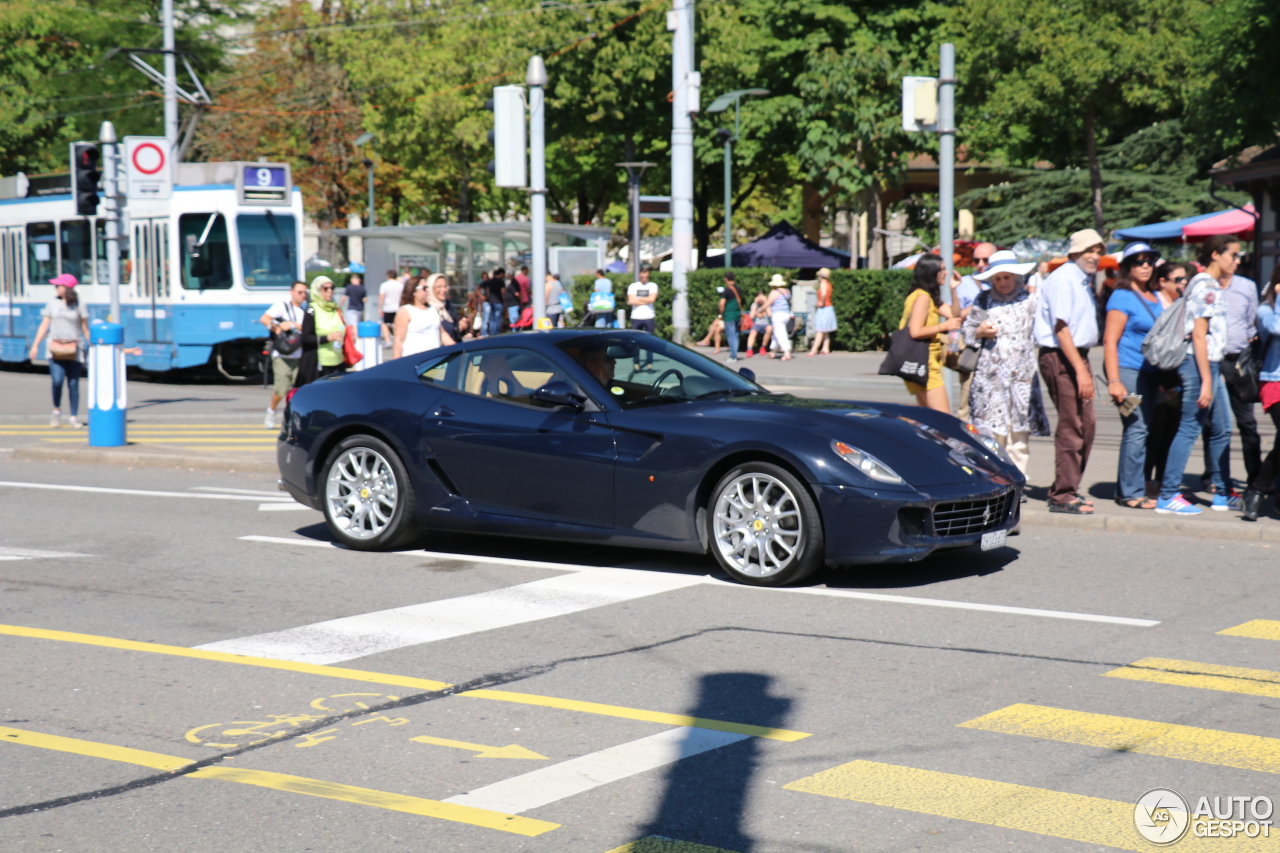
x: 566, y: 304
x: 968, y: 360
x: 1242, y: 376
x: 908, y: 358
x: 351, y: 355
x: 601, y: 302
x: 63, y: 350
x: 745, y: 323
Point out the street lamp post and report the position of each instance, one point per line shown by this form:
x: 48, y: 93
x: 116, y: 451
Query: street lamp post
x: 634, y: 171
x: 719, y: 105
x: 362, y: 140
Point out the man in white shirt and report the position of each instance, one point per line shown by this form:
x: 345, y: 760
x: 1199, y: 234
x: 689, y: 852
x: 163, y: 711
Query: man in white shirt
x: 285, y: 315
x: 1066, y: 327
x: 389, y: 301
x: 640, y: 296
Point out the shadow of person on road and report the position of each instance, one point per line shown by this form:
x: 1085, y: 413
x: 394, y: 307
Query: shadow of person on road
x: 707, y: 794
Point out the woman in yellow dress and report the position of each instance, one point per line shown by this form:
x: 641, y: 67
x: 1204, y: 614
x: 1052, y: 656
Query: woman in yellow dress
x: 923, y: 314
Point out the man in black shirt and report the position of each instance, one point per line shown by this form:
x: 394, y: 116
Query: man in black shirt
x: 492, y: 287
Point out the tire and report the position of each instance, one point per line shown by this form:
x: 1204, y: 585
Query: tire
x: 763, y: 526
x: 367, y: 495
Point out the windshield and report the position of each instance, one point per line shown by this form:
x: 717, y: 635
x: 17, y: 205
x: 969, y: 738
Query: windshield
x: 268, y: 249
x: 644, y: 370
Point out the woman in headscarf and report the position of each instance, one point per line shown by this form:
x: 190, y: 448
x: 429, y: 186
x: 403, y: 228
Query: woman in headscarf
x: 1002, y: 397
x: 323, y: 329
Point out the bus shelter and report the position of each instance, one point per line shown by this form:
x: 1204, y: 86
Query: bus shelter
x: 463, y: 250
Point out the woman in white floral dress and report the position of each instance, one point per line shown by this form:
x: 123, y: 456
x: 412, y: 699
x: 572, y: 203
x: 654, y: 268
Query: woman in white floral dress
x: 1003, y: 396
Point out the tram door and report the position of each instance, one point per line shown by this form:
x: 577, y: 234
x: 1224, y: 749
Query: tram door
x: 12, y: 284
x: 151, y: 266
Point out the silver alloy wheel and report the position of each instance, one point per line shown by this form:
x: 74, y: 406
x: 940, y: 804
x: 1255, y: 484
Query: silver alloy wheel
x: 361, y: 493
x: 757, y: 526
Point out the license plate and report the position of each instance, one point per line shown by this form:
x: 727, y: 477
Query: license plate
x: 994, y: 539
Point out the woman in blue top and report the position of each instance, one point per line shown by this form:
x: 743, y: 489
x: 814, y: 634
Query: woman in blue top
x: 1269, y: 376
x: 1131, y: 312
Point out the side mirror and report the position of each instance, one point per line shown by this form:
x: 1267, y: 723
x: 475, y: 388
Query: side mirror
x: 560, y: 393
x: 747, y: 373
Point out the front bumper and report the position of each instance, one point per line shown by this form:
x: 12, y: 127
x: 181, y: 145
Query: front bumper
x: 870, y: 526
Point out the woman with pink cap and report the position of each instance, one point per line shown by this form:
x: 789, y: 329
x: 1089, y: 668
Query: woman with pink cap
x: 66, y: 322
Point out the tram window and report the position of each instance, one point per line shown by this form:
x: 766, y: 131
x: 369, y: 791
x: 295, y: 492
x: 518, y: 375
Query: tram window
x: 205, y: 265
x: 268, y: 246
x: 42, y: 252
x: 77, y: 257
x: 100, y: 239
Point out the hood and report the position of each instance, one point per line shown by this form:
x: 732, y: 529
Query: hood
x: 924, y: 447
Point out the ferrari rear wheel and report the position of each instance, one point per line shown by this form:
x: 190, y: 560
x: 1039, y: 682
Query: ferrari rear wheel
x: 368, y: 499
x: 765, y: 527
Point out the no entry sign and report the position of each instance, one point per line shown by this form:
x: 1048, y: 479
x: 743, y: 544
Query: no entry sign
x: 147, y: 166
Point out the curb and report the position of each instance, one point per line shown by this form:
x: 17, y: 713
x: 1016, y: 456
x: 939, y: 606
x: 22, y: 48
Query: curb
x: 124, y: 456
x: 1256, y: 532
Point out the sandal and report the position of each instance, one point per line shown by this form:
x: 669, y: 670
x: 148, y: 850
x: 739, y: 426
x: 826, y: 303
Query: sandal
x: 1074, y: 507
x: 1137, y: 503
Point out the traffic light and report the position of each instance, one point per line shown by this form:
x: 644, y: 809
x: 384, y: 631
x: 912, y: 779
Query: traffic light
x: 86, y: 179
x: 508, y: 136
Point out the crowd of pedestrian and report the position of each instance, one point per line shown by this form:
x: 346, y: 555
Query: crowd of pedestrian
x: 1172, y: 383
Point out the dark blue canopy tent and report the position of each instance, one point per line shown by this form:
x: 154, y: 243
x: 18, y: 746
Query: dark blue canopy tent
x: 783, y: 246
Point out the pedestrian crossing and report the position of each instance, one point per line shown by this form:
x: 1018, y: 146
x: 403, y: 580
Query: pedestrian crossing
x: 1074, y: 816
x: 196, y: 436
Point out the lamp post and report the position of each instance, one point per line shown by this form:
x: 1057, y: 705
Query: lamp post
x: 719, y: 105
x: 634, y: 171
x: 362, y: 140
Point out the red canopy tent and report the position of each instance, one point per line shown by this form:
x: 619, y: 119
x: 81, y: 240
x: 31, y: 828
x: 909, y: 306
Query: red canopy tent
x: 1238, y: 222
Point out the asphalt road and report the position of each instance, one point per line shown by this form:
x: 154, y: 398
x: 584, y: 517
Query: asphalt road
x: 182, y: 671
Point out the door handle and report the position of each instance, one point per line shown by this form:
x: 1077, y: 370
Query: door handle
x: 442, y: 412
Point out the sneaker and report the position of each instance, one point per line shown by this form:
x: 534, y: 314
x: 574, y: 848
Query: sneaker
x: 750, y: 353
x: 56, y: 420
x: 1176, y: 505
x: 270, y: 420
x: 74, y: 422
x: 732, y: 360
x: 1227, y: 503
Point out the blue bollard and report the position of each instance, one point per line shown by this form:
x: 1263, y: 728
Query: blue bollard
x: 369, y: 341
x: 107, y: 401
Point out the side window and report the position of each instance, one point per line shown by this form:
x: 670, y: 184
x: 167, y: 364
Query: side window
x: 205, y: 250
x: 509, y: 374
x: 42, y: 252
x: 77, y: 253
x: 441, y: 373
x: 100, y: 243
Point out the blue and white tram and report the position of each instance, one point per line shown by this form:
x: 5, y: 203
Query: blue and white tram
x: 197, y: 271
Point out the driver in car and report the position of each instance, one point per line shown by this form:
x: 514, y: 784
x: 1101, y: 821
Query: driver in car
x: 598, y: 362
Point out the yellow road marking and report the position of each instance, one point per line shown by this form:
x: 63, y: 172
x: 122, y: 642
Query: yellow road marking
x: 1206, y: 676
x: 406, y: 681
x: 637, y: 714
x: 380, y: 799
x: 153, y: 760
x: 225, y: 657
x: 480, y: 750
x: 659, y: 844
x: 1260, y: 629
x: 1207, y: 746
x: 1039, y: 810
x: 282, y: 782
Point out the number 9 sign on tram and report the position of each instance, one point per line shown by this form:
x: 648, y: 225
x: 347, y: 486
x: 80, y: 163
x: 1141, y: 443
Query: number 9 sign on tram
x: 264, y: 177
x: 263, y: 183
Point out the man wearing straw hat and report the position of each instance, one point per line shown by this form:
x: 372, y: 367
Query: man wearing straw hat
x: 1066, y: 327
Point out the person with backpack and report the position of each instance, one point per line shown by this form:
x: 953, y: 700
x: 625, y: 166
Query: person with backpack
x: 1204, y: 328
x: 284, y: 321
x: 1269, y: 391
x: 1170, y: 280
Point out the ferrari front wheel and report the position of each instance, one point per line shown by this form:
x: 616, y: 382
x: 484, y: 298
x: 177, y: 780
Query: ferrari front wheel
x: 368, y: 499
x: 765, y: 527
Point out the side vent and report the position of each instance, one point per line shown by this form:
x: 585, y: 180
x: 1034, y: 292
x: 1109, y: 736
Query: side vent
x: 911, y: 521
x: 442, y: 477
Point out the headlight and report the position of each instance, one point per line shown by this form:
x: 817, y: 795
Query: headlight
x: 866, y: 463
x: 990, y: 443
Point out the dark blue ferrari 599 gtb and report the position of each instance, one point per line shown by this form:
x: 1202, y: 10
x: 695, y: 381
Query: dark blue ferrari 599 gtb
x: 624, y: 438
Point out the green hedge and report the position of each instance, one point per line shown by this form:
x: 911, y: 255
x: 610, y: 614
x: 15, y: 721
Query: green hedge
x: 868, y: 303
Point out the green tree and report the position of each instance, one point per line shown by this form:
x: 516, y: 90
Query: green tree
x: 1053, y: 80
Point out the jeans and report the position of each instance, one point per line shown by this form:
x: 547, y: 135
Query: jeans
x: 492, y: 319
x: 1246, y: 423
x: 732, y: 334
x: 513, y: 315
x: 1191, y: 425
x: 69, y: 371
x: 1133, y: 446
